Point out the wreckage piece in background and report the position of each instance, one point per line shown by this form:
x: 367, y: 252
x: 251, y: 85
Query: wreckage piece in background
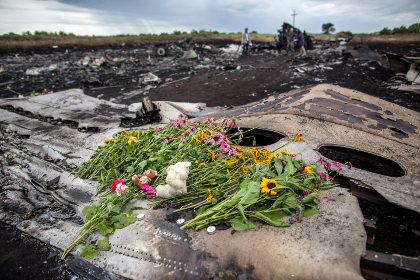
x: 147, y: 114
x: 150, y: 79
x: 404, y: 66
x: 191, y: 54
x: 160, y: 50
x: 362, y: 53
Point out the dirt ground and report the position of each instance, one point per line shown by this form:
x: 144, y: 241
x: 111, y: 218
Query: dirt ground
x: 23, y: 257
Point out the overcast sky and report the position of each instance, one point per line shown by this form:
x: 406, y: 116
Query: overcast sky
x: 106, y: 17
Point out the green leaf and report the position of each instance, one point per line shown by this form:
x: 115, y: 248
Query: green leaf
x: 202, y: 209
x: 97, y: 204
x: 291, y: 200
x: 127, y: 218
x: 252, y: 193
x: 113, y: 208
x: 130, y: 169
x: 271, y: 219
x: 281, y: 188
x: 105, y: 228
x: 309, y: 198
x: 142, y: 164
x: 309, y: 211
x: 327, y: 187
x: 88, y: 252
x: 295, y: 186
x: 279, y: 201
x: 103, y: 245
x: 132, y: 207
x: 290, y: 169
x: 89, y: 212
x: 238, y: 224
x: 278, y: 164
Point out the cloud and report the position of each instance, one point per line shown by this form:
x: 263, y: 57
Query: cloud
x: 108, y: 17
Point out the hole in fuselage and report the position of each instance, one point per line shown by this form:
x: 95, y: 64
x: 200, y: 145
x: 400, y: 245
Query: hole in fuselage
x: 257, y: 137
x: 363, y: 160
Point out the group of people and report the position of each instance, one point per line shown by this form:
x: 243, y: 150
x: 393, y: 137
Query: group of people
x: 291, y: 36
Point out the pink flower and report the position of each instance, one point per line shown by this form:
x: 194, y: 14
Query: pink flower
x: 157, y: 130
x: 338, y: 165
x: 148, y: 189
x: 114, y: 185
x: 193, y: 128
x: 182, y: 138
x: 306, y: 193
x: 232, y: 124
x: 224, y: 148
x: 120, y: 189
x: 211, y: 141
x: 233, y: 151
x: 321, y: 160
x: 350, y: 165
x: 327, y: 165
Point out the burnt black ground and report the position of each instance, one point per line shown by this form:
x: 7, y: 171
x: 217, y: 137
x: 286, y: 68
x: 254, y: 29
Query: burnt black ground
x: 24, y: 257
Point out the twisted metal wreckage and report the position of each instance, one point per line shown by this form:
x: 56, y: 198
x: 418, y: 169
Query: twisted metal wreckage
x: 52, y: 134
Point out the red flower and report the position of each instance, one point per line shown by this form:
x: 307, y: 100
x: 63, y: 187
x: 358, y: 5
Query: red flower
x: 114, y: 185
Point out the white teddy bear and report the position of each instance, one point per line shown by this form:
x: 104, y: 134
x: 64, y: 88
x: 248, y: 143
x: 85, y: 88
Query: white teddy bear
x: 176, y: 180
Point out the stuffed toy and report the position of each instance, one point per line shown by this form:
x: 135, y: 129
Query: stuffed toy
x: 147, y: 177
x: 176, y: 180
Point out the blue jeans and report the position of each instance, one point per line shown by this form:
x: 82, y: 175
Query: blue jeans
x: 245, y: 49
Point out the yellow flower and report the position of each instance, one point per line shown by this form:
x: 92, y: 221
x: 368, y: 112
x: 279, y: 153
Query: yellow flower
x: 91, y: 159
x: 201, y: 164
x: 239, y: 148
x: 245, y: 169
x: 196, y: 162
x: 197, y: 141
x: 298, y: 137
x: 212, y: 180
x: 273, y: 192
x: 210, y: 196
x: 265, y: 190
x: 132, y: 140
x: 309, y: 169
x: 114, y: 140
x: 100, y: 147
x: 134, y: 132
x: 12, y: 156
x: 124, y: 133
x: 212, y: 154
x: 268, y: 183
x: 287, y: 153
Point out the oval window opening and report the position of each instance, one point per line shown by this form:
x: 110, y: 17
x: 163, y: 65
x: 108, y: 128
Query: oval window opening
x: 255, y: 137
x: 362, y: 160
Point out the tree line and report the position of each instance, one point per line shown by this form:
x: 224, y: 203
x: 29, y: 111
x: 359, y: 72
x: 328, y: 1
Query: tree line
x: 414, y: 28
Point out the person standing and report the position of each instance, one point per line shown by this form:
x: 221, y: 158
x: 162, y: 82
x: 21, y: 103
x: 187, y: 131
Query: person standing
x: 301, y: 43
x: 246, y: 41
x: 290, y: 43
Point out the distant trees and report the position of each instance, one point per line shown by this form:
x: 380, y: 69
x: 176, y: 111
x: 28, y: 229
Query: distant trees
x: 254, y: 32
x: 328, y: 28
x: 414, y: 28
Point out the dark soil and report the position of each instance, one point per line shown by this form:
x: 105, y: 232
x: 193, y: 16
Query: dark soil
x: 24, y: 257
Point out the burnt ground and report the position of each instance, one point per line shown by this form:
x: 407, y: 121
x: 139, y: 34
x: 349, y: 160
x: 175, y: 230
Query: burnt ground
x: 24, y: 257
x: 217, y: 87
